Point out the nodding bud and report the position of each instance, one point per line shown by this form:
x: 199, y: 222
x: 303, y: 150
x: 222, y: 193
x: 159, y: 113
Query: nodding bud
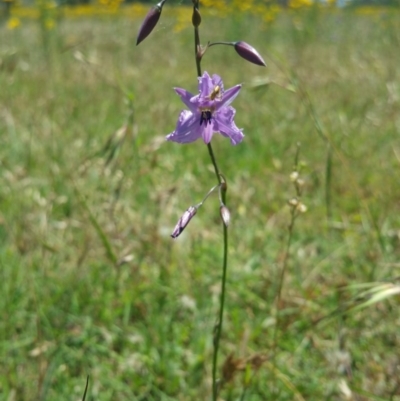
x: 225, y: 215
x: 184, y: 221
x: 150, y: 22
x: 249, y: 53
x: 196, y: 17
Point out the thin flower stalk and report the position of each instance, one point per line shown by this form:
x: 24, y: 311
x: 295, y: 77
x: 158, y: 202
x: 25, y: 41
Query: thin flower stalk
x: 296, y: 208
x: 209, y: 112
x: 218, y: 326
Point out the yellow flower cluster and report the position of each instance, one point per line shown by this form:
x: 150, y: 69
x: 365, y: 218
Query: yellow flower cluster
x: 13, y: 23
x: 222, y: 9
x: 267, y: 10
x: 184, y: 18
x: 111, y: 5
x: 295, y: 4
x: 47, y: 13
x: 47, y: 10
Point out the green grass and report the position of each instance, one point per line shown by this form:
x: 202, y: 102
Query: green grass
x: 142, y: 327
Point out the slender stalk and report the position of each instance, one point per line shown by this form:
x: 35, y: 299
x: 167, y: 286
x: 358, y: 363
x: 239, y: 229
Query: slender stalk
x: 196, y: 50
x: 328, y: 182
x: 218, y: 326
x: 282, y: 278
x: 293, y: 216
x: 214, y: 162
x: 86, y: 388
x: 197, y: 57
x: 221, y: 43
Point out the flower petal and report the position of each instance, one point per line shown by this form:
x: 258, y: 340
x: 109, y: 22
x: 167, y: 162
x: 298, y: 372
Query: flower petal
x: 230, y: 95
x: 185, y: 97
x: 225, y: 125
x: 207, y: 132
x: 206, y: 85
x: 217, y: 80
x: 187, y: 129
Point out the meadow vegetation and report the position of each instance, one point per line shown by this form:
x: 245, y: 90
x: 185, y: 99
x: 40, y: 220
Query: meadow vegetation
x: 91, y: 282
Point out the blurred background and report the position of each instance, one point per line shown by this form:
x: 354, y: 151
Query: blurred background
x: 91, y: 282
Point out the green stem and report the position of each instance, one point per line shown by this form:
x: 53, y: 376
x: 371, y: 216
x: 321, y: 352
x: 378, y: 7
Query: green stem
x: 214, y: 162
x: 196, y: 48
x: 328, y: 182
x: 279, y: 294
x: 293, y: 215
x: 197, y: 42
x: 218, y: 326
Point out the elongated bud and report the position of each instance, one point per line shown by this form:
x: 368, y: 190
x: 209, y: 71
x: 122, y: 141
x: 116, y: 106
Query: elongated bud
x: 196, y: 18
x: 225, y: 215
x: 184, y: 221
x: 150, y: 22
x: 249, y: 53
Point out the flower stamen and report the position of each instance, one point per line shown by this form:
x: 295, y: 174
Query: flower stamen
x: 205, y: 116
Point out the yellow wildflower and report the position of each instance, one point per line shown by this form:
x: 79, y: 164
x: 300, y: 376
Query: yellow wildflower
x: 300, y: 3
x: 13, y: 23
x: 49, y: 23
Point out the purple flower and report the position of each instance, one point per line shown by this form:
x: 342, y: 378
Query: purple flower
x: 209, y: 112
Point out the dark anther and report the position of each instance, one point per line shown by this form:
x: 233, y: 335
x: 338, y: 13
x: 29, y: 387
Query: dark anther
x: 205, y: 117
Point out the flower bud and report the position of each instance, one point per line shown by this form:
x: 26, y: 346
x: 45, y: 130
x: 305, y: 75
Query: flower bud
x: 225, y: 215
x: 249, y: 53
x: 184, y: 221
x: 196, y: 17
x: 301, y: 207
x: 294, y: 202
x: 150, y: 22
x: 294, y: 176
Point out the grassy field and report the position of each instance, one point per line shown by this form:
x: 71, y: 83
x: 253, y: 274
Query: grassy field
x: 91, y: 282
